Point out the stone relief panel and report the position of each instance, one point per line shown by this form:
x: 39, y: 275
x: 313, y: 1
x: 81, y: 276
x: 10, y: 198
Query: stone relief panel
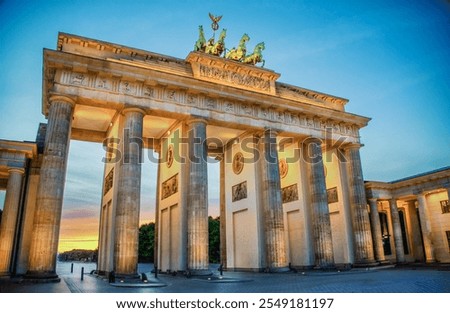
x: 332, y: 195
x: 127, y: 87
x: 289, y: 193
x: 284, y: 168
x: 234, y: 78
x: 103, y: 83
x: 238, y: 163
x: 79, y: 79
x: 210, y: 103
x: 169, y: 187
x: 169, y: 156
x: 149, y: 91
x: 109, y: 180
x: 239, y: 191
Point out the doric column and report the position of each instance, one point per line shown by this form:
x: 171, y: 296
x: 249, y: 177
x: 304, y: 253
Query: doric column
x: 49, y: 199
x: 223, y: 216
x: 376, y: 230
x: 398, y: 239
x: 129, y: 194
x: 272, y: 204
x: 323, y: 243
x: 426, y: 228
x: 9, y: 218
x: 358, y: 205
x: 197, y: 198
x: 157, y: 208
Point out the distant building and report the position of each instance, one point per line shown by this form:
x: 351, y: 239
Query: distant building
x: 414, y: 215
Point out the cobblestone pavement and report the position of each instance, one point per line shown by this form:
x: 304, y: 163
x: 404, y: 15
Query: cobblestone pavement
x: 382, y: 280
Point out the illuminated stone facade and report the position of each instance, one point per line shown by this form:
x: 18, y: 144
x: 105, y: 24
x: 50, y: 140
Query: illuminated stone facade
x: 291, y: 184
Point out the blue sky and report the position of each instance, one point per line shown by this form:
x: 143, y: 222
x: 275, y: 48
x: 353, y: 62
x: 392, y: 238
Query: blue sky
x: 389, y: 58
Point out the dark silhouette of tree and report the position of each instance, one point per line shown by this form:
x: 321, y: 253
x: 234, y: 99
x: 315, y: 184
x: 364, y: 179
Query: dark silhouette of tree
x: 214, y: 239
x: 146, y: 242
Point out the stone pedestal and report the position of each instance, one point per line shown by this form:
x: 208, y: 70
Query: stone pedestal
x: 323, y: 243
x: 47, y: 217
x: 376, y: 230
x: 129, y: 195
x: 197, y: 199
x: 399, y: 251
x: 358, y: 204
x: 272, y: 204
x: 9, y: 219
x: 426, y: 229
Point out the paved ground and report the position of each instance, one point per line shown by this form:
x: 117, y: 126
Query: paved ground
x: 386, y: 279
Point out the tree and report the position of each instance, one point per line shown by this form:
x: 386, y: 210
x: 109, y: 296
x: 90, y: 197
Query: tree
x: 146, y: 242
x: 214, y: 239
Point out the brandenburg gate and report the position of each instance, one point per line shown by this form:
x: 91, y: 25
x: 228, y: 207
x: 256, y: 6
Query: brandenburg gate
x: 291, y: 187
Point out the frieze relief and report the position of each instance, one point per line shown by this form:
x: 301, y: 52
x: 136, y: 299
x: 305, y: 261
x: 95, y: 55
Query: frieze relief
x: 234, y: 78
x: 140, y: 89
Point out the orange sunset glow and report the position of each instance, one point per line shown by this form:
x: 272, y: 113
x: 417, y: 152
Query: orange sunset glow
x: 82, y: 232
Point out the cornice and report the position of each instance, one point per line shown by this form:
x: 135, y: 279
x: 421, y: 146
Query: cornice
x: 64, y: 62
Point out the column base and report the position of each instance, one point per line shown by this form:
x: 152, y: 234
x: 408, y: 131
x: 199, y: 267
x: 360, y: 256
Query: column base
x: 190, y: 273
x: 42, y: 277
x: 365, y: 264
x: 328, y: 267
x: 384, y: 262
x: 283, y: 269
x: 126, y: 277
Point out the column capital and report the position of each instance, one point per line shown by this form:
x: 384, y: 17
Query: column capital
x: 353, y: 146
x: 57, y: 98
x: 311, y: 140
x: 18, y: 170
x: 271, y: 130
x: 133, y: 109
x: 372, y: 200
x: 195, y: 119
x: 392, y: 200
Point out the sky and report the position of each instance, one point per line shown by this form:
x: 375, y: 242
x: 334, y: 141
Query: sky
x: 389, y: 58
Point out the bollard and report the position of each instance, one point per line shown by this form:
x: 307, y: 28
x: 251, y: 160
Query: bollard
x: 221, y: 269
x: 82, y: 273
x: 156, y: 271
x: 71, y: 268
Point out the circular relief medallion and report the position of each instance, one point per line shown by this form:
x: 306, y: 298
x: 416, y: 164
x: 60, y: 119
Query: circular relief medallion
x: 238, y: 163
x: 169, y: 156
x: 284, y: 168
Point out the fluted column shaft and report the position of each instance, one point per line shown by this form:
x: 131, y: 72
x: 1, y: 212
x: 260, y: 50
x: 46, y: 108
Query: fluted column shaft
x: 376, y: 230
x: 197, y: 198
x: 426, y: 228
x: 157, y: 208
x: 129, y: 194
x: 272, y: 203
x: 9, y: 218
x: 398, y: 239
x: 223, y: 216
x: 49, y: 199
x: 323, y: 243
x: 358, y: 204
